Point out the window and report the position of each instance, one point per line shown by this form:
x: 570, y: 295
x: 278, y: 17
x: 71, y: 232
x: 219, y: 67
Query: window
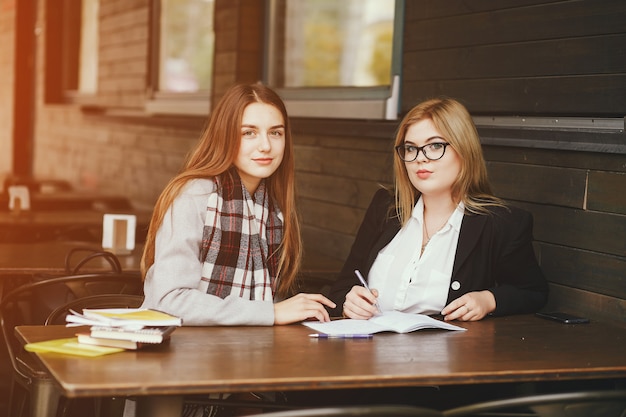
x: 182, y: 56
x: 71, y: 50
x: 332, y: 58
x: 88, y: 53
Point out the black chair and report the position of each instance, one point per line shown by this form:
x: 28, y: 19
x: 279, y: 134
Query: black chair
x: 368, y: 411
x: 605, y: 403
x: 30, y: 383
x: 100, y: 406
x: 110, y: 257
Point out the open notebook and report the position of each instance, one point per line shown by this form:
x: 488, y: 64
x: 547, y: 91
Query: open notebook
x: 389, y: 321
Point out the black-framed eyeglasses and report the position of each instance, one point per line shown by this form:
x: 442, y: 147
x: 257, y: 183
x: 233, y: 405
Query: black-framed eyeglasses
x: 432, y: 151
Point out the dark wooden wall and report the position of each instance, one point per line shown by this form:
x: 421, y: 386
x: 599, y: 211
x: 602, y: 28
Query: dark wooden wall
x: 518, y: 56
x: 578, y: 200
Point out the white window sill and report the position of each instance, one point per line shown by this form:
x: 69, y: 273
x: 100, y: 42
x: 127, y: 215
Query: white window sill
x: 179, y: 104
x: 344, y: 103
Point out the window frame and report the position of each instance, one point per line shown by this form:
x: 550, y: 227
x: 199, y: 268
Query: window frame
x: 374, y: 103
x: 162, y: 102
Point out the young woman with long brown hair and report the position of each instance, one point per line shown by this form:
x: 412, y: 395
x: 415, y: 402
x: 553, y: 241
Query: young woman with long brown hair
x: 224, y: 247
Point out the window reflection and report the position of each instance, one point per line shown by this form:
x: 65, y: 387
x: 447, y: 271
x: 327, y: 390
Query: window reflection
x: 329, y: 43
x: 186, y: 47
x: 88, y: 72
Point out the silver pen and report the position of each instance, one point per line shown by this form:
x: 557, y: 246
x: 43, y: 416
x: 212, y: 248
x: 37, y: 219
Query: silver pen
x: 360, y: 277
x: 341, y: 336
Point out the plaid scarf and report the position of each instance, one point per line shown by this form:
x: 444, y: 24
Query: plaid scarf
x: 240, y: 233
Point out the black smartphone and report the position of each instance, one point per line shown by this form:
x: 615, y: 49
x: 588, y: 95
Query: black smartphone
x: 563, y: 317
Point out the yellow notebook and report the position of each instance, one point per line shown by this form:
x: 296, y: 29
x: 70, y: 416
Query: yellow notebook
x: 70, y: 346
x: 148, y: 316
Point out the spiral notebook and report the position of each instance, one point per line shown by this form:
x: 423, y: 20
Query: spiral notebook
x: 145, y: 335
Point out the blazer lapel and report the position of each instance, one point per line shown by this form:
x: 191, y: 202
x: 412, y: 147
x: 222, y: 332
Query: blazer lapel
x: 471, y: 229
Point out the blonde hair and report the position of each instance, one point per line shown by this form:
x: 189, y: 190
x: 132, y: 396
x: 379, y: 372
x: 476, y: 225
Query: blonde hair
x: 455, y: 124
x: 215, y: 153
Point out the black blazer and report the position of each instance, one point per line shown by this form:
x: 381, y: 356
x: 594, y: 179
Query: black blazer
x: 494, y: 253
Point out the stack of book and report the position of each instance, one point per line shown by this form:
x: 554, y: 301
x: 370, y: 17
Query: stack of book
x: 126, y: 328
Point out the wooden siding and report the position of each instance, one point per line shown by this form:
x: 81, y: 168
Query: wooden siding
x: 239, y: 45
x: 578, y: 205
x: 336, y: 178
x: 518, y: 57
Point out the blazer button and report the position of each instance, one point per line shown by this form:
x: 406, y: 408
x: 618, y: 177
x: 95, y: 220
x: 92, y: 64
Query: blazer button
x: 455, y: 285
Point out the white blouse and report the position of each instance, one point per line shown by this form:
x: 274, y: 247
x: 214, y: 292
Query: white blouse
x: 412, y: 283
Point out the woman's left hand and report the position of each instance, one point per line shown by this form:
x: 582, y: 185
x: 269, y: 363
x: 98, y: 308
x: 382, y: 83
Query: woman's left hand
x: 472, y: 306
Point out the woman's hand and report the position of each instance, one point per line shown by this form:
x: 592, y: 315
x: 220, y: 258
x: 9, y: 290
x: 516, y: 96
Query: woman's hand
x: 301, y: 307
x: 360, y: 303
x: 472, y: 306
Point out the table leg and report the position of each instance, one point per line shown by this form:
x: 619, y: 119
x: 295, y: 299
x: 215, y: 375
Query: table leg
x: 159, y: 406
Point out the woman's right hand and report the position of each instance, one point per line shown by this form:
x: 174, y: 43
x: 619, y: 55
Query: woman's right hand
x: 360, y: 303
x: 301, y: 307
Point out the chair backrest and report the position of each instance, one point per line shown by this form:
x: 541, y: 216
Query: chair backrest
x: 368, y: 411
x: 57, y: 316
x: 91, y: 253
x: 31, y: 303
x: 605, y: 403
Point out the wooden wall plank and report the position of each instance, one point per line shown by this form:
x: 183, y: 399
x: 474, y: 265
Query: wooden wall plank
x: 585, y: 303
x: 549, y: 57
x: 539, y: 184
x: 587, y: 230
x: 334, y: 245
x: 353, y: 163
x: 331, y: 128
x: 431, y: 9
x: 585, y: 270
x: 560, y: 134
x: 607, y: 192
x: 343, y: 191
x: 554, y: 158
x: 552, y: 20
x: 333, y: 217
x: 561, y: 96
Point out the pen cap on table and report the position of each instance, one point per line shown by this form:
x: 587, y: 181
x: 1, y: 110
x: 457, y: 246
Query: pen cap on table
x: 19, y: 198
x: 118, y: 232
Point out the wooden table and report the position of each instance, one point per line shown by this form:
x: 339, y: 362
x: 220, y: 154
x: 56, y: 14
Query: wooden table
x: 37, y: 226
x: 21, y: 262
x: 48, y: 258
x: 243, y: 359
x: 71, y: 200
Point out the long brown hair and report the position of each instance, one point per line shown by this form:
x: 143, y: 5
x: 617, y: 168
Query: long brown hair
x: 455, y: 124
x: 215, y: 153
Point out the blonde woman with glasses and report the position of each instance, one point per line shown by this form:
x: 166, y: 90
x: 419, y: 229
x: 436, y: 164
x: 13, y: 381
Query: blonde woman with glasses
x: 441, y: 242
